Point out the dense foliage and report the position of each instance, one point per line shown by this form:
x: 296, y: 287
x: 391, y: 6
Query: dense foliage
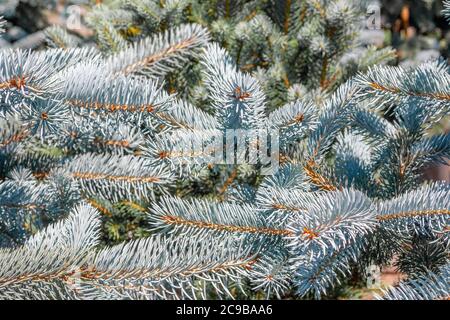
x: 97, y: 146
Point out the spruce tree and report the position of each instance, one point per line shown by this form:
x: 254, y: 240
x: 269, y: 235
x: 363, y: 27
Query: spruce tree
x: 129, y: 129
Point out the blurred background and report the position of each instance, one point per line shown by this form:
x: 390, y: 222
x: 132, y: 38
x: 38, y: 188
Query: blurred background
x: 415, y: 28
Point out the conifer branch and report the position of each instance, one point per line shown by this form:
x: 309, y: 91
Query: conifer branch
x: 157, y: 56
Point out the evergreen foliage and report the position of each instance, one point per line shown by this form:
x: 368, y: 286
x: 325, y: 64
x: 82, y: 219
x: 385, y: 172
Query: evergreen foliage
x: 447, y: 9
x: 2, y: 24
x: 93, y: 134
x: 291, y: 47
